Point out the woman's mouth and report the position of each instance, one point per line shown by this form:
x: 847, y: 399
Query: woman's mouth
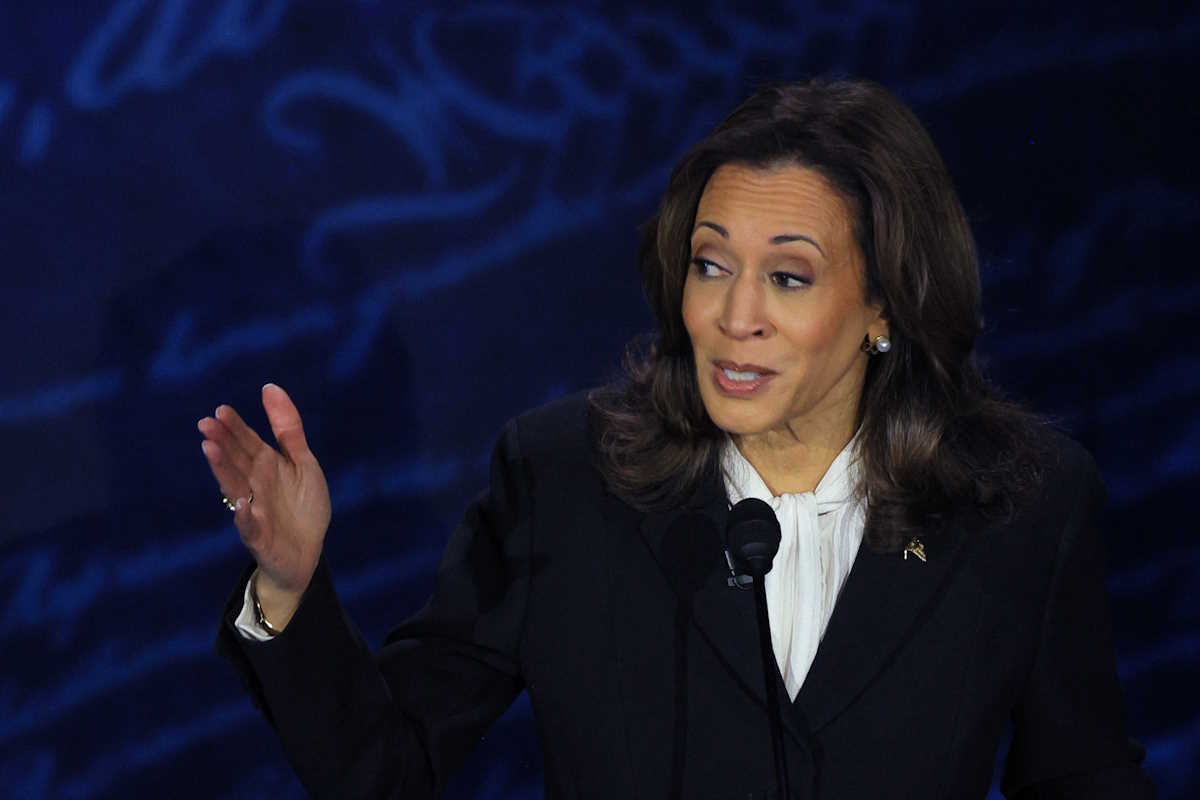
x: 740, y: 380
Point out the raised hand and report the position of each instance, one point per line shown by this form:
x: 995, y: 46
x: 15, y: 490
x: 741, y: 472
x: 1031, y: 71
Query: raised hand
x: 280, y: 496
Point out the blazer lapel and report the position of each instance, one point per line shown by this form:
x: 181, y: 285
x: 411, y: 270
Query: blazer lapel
x: 724, y: 616
x: 885, y: 599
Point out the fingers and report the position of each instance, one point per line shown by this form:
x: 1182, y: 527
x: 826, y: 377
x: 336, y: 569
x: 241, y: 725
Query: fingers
x: 242, y: 433
x: 232, y: 481
x: 225, y: 449
x: 285, y: 422
x: 235, y: 487
x: 230, y: 452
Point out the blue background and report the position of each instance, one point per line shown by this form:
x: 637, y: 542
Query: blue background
x: 422, y: 221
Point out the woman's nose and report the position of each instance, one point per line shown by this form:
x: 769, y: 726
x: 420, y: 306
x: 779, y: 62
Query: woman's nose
x: 744, y: 314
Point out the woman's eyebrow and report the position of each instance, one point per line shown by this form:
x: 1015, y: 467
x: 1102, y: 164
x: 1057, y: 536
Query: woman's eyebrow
x: 707, y: 224
x: 783, y: 238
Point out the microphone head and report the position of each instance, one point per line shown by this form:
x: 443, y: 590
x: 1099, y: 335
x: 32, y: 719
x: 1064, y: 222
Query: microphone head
x: 753, y: 535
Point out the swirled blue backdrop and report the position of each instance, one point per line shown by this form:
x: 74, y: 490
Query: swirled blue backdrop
x: 421, y: 221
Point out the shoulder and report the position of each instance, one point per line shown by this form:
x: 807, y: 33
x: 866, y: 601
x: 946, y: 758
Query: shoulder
x: 556, y: 458
x: 1066, y: 496
x: 1067, y: 469
x: 556, y: 434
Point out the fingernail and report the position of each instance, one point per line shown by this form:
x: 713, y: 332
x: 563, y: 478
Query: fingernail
x: 269, y: 386
x: 240, y: 504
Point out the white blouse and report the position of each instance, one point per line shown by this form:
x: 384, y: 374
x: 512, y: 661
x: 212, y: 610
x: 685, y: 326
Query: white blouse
x: 820, y: 534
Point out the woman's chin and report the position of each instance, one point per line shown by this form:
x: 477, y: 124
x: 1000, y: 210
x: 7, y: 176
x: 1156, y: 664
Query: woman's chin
x: 744, y: 421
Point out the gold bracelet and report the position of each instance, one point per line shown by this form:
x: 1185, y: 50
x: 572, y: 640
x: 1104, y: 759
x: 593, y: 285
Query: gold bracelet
x: 259, y: 616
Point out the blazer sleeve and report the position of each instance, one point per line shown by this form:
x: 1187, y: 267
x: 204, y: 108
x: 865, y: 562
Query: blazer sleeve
x: 1069, y: 737
x: 397, y: 723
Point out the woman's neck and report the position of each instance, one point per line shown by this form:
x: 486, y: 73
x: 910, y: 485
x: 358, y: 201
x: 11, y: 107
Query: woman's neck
x: 789, y: 463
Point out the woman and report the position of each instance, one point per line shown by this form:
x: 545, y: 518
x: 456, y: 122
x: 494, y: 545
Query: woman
x: 816, y: 290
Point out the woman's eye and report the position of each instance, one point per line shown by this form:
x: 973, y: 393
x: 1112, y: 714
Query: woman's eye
x: 788, y: 280
x: 705, y: 268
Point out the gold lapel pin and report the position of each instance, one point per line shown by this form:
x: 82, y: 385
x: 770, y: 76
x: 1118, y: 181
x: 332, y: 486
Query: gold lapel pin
x: 915, y: 547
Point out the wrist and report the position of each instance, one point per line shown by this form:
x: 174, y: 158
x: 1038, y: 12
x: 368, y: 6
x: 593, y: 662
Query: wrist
x: 273, y: 607
x: 259, y: 615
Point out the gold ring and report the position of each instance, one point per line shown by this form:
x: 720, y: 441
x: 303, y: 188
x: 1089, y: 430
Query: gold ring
x: 230, y: 506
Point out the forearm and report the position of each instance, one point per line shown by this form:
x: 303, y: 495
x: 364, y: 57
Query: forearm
x: 356, y: 724
x: 319, y: 686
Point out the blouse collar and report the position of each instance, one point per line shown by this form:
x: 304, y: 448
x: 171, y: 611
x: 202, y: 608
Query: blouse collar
x: 837, y: 486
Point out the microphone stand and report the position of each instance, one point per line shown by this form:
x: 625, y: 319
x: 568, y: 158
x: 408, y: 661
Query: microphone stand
x: 752, y: 532
x: 769, y: 669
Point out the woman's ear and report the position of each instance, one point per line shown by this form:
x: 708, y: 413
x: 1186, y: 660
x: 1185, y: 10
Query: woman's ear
x: 878, y: 327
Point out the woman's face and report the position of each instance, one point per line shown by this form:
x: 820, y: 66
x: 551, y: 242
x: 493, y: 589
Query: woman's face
x: 774, y: 302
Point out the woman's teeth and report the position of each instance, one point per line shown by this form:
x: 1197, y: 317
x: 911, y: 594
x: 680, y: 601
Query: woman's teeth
x: 741, y: 376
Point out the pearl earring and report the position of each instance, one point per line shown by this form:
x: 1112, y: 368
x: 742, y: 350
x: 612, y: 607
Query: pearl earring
x: 881, y: 344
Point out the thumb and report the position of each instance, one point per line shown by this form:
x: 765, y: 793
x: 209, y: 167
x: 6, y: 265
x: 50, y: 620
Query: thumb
x: 285, y: 422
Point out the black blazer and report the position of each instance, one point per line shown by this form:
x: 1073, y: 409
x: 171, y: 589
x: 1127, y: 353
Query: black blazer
x: 643, y: 689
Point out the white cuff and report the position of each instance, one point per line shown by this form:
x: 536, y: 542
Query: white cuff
x: 247, y: 622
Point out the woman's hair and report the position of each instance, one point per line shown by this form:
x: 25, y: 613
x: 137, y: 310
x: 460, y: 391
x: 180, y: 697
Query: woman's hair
x: 933, y: 433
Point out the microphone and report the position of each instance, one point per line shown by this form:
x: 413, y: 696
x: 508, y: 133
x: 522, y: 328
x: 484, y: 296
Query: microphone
x: 753, y: 536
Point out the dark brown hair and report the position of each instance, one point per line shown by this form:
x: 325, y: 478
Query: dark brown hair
x: 933, y: 434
